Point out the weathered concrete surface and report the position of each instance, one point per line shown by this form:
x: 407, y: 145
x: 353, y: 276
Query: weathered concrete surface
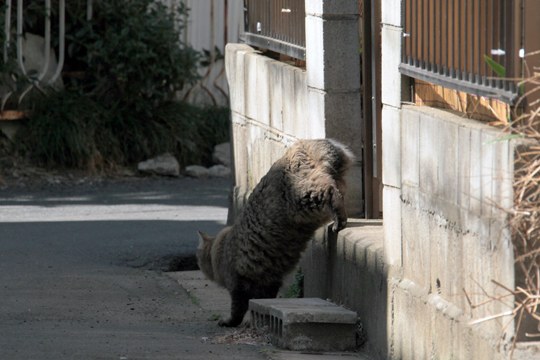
x: 272, y: 105
x: 349, y: 268
x: 80, y: 279
x: 308, y: 324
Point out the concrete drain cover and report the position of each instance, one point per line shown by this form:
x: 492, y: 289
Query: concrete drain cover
x: 305, y: 324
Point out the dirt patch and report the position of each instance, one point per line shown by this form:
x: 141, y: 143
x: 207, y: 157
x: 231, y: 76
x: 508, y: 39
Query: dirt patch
x: 245, y: 335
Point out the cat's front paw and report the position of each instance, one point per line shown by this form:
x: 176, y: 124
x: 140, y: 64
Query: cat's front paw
x: 339, y: 224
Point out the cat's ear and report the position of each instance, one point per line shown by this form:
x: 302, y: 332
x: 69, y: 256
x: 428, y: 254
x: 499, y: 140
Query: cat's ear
x: 203, y: 238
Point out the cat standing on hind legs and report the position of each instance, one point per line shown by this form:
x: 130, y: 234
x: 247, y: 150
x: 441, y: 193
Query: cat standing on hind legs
x: 301, y: 192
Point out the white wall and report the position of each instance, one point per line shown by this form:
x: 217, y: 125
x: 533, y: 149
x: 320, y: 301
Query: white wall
x: 211, y: 24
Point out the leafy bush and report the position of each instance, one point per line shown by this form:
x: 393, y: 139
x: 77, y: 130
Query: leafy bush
x: 130, y: 64
x: 62, y: 130
x: 133, y: 52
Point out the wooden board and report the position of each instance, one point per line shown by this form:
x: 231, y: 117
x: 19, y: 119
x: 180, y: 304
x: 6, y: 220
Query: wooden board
x: 472, y: 106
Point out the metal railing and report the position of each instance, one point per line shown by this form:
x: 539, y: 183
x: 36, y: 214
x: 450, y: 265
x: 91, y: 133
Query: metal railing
x: 276, y: 25
x: 472, y: 46
x: 38, y: 80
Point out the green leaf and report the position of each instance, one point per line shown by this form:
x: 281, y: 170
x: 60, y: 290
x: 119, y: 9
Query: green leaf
x: 495, y: 66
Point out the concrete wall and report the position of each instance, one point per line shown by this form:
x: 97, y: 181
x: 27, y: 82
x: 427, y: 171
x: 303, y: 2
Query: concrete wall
x: 456, y: 181
x: 446, y: 182
x: 273, y: 103
x: 269, y: 111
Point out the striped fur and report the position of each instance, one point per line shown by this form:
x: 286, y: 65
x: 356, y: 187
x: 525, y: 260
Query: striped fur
x: 302, y: 191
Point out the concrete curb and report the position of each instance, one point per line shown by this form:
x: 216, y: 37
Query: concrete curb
x: 215, y: 300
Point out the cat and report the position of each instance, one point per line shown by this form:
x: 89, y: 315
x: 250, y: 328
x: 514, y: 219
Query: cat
x: 301, y: 192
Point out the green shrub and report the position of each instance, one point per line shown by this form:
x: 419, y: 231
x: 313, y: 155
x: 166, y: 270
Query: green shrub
x: 133, y: 54
x: 61, y: 131
x: 122, y: 108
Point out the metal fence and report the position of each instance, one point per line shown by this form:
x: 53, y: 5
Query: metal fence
x: 473, y: 46
x: 276, y: 25
x: 41, y: 78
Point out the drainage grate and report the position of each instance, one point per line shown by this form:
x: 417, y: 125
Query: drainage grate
x: 305, y: 324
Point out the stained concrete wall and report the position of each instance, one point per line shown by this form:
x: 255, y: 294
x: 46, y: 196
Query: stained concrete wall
x: 446, y: 180
x: 268, y: 100
x: 456, y: 185
x: 274, y: 103
x: 447, y: 183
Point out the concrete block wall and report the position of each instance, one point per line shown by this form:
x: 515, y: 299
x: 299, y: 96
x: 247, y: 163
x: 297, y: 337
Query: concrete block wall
x: 446, y: 180
x: 273, y: 103
x: 456, y: 179
x: 349, y: 268
x: 268, y: 102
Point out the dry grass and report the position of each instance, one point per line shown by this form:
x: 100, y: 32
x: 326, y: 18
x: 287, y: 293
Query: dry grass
x: 524, y: 313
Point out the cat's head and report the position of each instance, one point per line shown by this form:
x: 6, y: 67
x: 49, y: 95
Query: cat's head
x: 204, y: 255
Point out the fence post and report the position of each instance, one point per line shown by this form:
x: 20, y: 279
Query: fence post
x: 333, y: 80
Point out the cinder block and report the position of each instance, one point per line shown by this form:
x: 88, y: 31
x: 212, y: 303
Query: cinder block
x: 342, y: 112
x: 410, y: 147
x: 234, y: 65
x: 391, y: 152
x: 262, y: 92
x: 301, y: 121
x: 417, y: 242
x: 475, y: 185
x: 289, y: 93
x: 329, y: 52
x: 391, y: 13
x: 316, y: 112
x: 331, y: 7
x: 390, y: 59
x: 464, y: 167
x: 503, y: 170
x: 275, y: 71
x: 239, y: 135
x: 429, y: 146
x: 392, y: 226
x: 488, y: 156
x: 305, y: 324
x: 447, y: 137
x: 251, y: 97
x: 315, y: 52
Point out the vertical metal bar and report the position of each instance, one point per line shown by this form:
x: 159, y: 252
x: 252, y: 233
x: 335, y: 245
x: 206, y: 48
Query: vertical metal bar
x: 475, y: 48
x: 61, y: 40
x: 409, y: 35
x: 423, y: 39
x: 417, y: 34
x: 459, y: 38
x: 7, y: 43
x: 451, y: 26
x: 89, y: 10
x: 442, y: 21
x: 465, y: 38
x: 7, y: 29
x: 20, y: 27
x: 447, y: 52
x: 427, y: 46
x: 491, y: 41
x: 47, y: 49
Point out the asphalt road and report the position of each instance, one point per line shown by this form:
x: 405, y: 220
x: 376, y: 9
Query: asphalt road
x: 80, y: 271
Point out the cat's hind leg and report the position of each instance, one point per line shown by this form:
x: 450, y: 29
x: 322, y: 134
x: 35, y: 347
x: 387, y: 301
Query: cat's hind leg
x: 239, y: 307
x: 240, y: 301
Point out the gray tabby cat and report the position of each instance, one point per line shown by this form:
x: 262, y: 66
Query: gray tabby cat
x: 302, y: 191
